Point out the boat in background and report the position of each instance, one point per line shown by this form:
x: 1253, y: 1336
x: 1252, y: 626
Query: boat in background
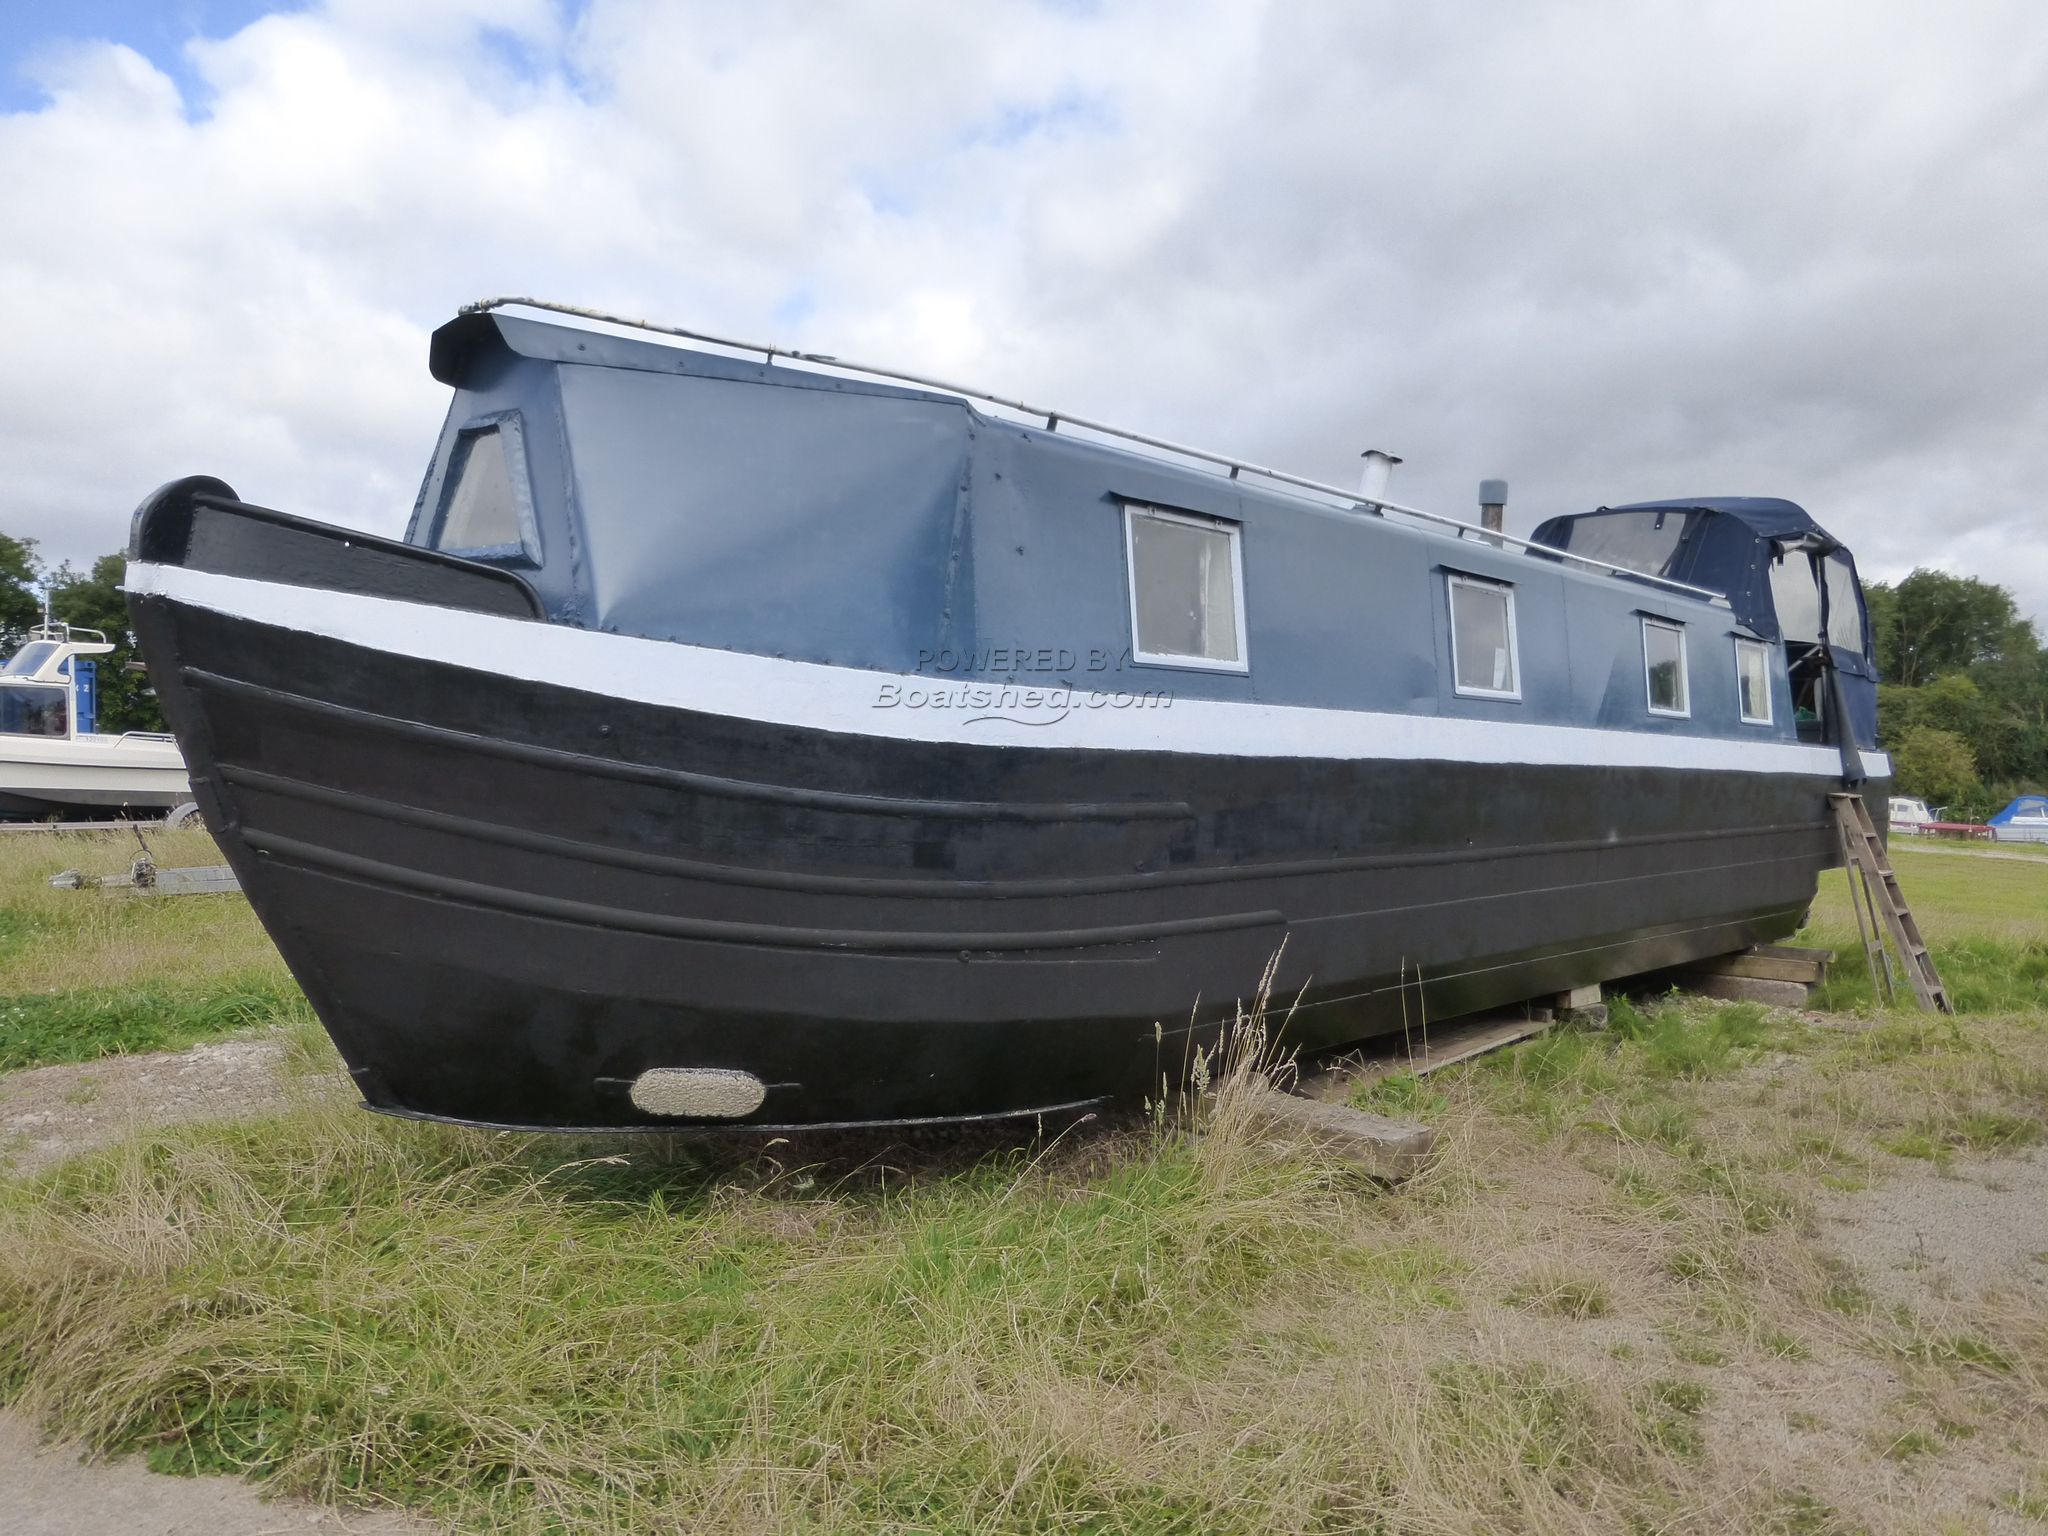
x: 738, y: 736
x: 2023, y: 821
x: 53, y: 762
x: 1910, y: 815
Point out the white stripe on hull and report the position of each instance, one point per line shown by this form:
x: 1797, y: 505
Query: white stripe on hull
x: 851, y: 700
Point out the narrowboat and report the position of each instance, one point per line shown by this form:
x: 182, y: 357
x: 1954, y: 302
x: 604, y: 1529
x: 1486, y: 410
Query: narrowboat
x: 741, y: 736
x: 54, y: 761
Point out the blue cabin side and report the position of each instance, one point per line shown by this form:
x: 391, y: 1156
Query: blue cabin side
x: 681, y: 495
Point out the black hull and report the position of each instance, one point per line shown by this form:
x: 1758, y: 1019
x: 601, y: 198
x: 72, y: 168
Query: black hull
x: 507, y: 900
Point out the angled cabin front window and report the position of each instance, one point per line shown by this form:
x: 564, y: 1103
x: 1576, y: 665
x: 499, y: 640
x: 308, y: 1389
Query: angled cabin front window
x: 1753, y: 677
x: 1187, y: 579
x: 1484, y: 663
x: 34, y: 709
x: 486, y: 507
x: 1664, y: 668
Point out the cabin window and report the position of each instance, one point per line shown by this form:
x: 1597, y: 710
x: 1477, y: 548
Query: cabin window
x: 29, y: 660
x: 1186, y: 575
x: 1483, y: 660
x: 1753, y: 677
x: 1664, y: 667
x: 34, y: 709
x: 486, y: 510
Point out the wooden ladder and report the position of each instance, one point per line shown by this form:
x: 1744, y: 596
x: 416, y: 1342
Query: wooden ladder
x: 1864, y: 858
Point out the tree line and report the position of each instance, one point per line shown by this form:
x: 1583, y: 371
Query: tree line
x: 1964, y: 713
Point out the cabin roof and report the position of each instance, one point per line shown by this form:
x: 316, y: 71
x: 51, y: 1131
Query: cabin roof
x: 459, y: 343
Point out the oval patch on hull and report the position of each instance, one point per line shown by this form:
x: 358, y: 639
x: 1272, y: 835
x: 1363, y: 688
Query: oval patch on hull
x: 698, y: 1093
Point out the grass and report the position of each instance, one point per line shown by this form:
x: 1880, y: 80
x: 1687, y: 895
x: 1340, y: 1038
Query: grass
x: 1133, y: 1332
x: 1985, y: 921
x: 1609, y: 1307
x: 91, y: 973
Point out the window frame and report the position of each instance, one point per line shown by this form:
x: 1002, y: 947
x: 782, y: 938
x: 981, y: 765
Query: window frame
x: 1762, y: 648
x: 1453, y: 580
x: 511, y: 436
x: 1133, y: 510
x: 1675, y: 626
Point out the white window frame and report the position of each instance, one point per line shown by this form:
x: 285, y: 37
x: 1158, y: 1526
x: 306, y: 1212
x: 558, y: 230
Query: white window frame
x: 1742, y: 643
x: 1133, y: 510
x: 1453, y: 580
x: 1684, y: 669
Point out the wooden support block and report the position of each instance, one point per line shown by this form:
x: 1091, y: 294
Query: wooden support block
x: 1334, y: 1079
x: 1744, y: 989
x: 1769, y: 963
x: 1386, y: 1149
x: 1582, y: 1006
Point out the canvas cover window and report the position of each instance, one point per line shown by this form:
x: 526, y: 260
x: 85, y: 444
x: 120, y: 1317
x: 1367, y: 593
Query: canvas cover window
x: 480, y: 508
x: 1753, y: 676
x: 1795, y: 597
x: 1664, y: 668
x: 1640, y: 541
x: 1845, y: 607
x: 1185, y: 604
x: 1483, y: 658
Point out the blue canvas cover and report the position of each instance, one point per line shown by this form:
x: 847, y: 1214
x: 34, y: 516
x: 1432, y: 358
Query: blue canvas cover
x: 1741, y: 546
x: 2026, y: 805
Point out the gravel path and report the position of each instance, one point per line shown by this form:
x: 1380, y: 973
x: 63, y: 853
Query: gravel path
x: 49, y: 1491
x: 1934, y: 1236
x: 1971, y: 853
x: 48, y: 1113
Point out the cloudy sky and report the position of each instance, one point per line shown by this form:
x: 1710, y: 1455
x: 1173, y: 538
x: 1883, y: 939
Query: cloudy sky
x: 1608, y: 251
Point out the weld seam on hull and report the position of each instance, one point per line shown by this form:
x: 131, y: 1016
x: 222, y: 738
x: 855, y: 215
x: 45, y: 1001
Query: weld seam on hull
x: 684, y: 778
x: 474, y: 893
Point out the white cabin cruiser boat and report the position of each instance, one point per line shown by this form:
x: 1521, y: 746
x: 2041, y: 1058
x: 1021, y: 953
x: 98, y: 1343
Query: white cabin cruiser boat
x: 1910, y: 815
x: 52, y: 761
x: 2024, y: 821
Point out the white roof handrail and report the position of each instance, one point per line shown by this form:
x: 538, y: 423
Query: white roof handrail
x: 1055, y: 419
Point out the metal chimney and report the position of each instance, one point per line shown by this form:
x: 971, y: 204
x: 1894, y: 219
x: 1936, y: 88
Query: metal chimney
x: 1379, y: 473
x: 1493, y: 505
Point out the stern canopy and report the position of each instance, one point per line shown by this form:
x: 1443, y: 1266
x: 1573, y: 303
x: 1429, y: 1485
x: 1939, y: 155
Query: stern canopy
x: 1786, y: 579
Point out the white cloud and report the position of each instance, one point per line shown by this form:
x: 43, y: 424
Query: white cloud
x: 1608, y: 253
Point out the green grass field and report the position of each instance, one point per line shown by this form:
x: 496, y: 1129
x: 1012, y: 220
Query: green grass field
x: 91, y: 973
x: 1613, y: 1304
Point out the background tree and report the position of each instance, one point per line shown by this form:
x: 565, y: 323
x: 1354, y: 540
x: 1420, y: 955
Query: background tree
x: 1934, y: 764
x: 93, y: 600
x: 19, y: 605
x: 1933, y: 623
x: 1960, y: 663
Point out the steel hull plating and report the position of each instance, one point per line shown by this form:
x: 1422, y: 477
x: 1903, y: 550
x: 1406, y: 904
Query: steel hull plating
x: 508, y: 899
